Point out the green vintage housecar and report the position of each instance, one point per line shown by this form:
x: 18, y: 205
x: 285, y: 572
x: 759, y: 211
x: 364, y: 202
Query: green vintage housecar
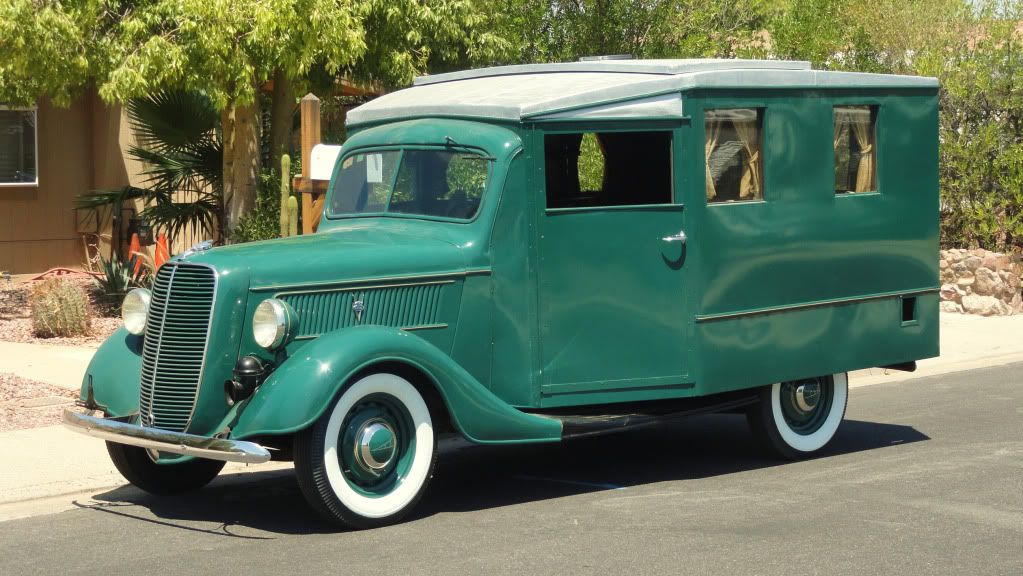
x: 534, y: 253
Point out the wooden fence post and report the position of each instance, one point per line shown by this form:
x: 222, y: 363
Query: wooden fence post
x: 312, y: 194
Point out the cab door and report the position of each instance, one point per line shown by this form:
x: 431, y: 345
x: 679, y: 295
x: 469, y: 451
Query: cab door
x: 611, y: 270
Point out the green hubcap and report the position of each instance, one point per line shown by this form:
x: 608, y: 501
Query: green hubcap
x: 807, y: 403
x: 378, y: 442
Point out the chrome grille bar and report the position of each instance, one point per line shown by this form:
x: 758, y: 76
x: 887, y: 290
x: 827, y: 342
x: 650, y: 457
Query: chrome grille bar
x: 176, y: 341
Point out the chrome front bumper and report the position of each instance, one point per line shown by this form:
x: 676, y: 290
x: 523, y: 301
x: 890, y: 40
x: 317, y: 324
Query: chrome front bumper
x: 165, y: 440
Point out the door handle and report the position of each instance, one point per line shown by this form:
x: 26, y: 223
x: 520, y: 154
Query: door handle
x: 680, y: 237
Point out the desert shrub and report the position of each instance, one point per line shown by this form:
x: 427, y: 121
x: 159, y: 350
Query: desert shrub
x: 119, y: 278
x: 59, y: 308
x: 981, y: 131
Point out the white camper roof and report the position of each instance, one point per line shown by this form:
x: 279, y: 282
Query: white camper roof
x: 601, y: 88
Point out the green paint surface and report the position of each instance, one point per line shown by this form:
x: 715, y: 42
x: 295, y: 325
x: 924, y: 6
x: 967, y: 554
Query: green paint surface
x: 528, y: 307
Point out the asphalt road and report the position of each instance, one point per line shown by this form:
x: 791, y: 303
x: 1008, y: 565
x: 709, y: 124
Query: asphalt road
x: 924, y: 477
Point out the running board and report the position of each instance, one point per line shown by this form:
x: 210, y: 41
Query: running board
x: 581, y: 426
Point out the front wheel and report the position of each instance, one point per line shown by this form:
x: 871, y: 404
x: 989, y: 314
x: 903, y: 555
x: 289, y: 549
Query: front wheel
x: 795, y: 419
x: 366, y: 462
x: 137, y: 466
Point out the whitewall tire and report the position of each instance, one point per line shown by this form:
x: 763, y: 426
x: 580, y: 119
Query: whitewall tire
x: 798, y: 418
x: 367, y: 461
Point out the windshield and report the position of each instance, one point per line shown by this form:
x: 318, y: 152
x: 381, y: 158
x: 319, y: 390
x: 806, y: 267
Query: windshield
x: 422, y: 182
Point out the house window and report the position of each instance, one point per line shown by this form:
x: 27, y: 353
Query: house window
x: 732, y: 151
x: 596, y: 169
x: 855, y: 149
x: 17, y: 146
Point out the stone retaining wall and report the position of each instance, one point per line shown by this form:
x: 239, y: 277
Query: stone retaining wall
x: 980, y: 282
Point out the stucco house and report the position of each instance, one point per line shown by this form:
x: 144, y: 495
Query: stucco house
x: 48, y: 156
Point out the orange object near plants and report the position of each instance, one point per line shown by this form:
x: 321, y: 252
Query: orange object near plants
x: 162, y: 253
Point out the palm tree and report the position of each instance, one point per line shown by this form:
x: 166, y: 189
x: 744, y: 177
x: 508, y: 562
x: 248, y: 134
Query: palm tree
x: 180, y: 145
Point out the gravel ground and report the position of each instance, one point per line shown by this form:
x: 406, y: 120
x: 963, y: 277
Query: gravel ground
x: 16, y: 322
x: 29, y: 404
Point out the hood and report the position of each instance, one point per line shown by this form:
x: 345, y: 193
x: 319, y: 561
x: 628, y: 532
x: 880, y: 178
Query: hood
x: 368, y: 248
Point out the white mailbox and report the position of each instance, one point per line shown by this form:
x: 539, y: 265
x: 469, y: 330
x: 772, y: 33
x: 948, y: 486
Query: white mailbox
x: 324, y: 156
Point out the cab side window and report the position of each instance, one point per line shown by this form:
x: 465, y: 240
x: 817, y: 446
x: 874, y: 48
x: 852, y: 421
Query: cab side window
x: 855, y: 149
x: 595, y: 169
x: 732, y: 151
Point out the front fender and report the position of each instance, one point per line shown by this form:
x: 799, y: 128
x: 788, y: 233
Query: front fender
x: 302, y: 388
x: 115, y: 370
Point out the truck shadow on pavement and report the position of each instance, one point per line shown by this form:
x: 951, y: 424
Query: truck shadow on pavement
x: 258, y: 505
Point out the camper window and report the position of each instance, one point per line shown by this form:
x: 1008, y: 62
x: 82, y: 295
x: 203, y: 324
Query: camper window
x: 596, y: 169
x: 732, y: 154
x: 855, y: 149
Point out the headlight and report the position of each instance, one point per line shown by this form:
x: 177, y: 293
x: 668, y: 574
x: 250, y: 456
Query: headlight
x: 271, y: 323
x: 135, y: 310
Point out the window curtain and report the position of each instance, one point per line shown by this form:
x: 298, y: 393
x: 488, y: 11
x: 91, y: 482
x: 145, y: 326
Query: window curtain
x: 748, y: 131
x: 712, y: 127
x: 841, y: 123
x: 863, y: 131
x: 841, y: 133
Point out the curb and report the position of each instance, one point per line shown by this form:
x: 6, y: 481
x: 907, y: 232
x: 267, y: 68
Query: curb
x: 862, y: 378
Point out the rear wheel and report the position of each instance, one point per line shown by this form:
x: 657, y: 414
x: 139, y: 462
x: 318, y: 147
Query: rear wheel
x: 366, y: 462
x: 795, y: 419
x: 138, y: 467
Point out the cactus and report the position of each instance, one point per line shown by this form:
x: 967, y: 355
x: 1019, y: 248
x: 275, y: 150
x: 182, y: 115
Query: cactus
x: 292, y: 216
x: 285, y: 194
x: 59, y: 308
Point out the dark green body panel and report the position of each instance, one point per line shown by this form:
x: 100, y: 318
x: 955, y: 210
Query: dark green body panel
x: 302, y: 388
x: 536, y: 308
x: 803, y: 244
x: 114, y: 371
x: 612, y: 302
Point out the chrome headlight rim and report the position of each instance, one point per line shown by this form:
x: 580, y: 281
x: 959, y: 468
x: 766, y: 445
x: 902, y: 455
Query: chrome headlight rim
x: 135, y: 310
x: 272, y: 323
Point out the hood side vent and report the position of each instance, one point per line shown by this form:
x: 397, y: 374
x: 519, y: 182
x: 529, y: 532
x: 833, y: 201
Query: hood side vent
x: 403, y: 306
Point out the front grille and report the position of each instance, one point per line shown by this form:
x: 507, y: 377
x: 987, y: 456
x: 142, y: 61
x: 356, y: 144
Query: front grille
x: 408, y: 306
x: 175, y: 345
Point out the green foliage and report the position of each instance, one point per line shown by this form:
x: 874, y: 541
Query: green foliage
x: 52, y: 48
x: 59, y: 308
x: 466, y: 174
x: 981, y: 129
x: 557, y: 31
x: 591, y: 164
x: 860, y: 35
x: 404, y: 38
x: 119, y: 278
x: 228, y: 48
x: 264, y: 222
